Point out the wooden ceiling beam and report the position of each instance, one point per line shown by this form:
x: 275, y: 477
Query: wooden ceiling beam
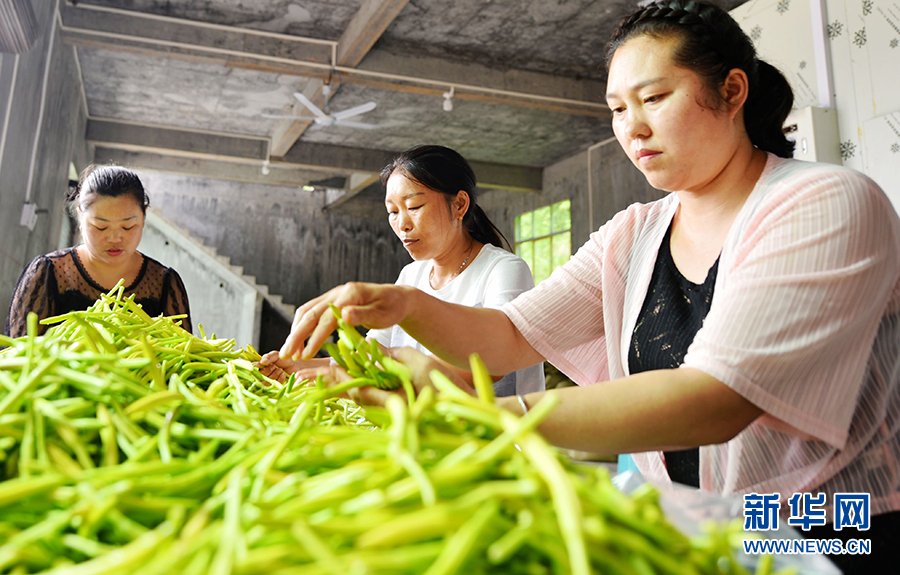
x: 176, y: 140
x: 114, y: 24
x: 162, y: 160
x: 366, y: 27
x: 206, y: 153
x: 287, y: 132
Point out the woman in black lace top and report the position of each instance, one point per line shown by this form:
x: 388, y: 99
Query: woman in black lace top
x: 109, y: 204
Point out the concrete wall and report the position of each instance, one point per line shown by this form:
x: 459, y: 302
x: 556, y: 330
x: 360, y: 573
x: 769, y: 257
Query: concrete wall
x: 223, y: 303
x: 614, y: 184
x: 279, y: 234
x: 566, y: 179
x: 59, y: 132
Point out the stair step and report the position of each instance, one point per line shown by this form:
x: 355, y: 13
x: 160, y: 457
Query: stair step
x: 276, y: 300
x: 288, y: 310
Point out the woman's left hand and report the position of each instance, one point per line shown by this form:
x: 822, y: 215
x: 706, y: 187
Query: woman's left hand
x: 272, y: 366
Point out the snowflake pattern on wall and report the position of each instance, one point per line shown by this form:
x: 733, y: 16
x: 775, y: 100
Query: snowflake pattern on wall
x: 834, y: 30
x: 867, y: 7
x: 783, y: 6
x: 895, y: 148
x: 894, y: 43
x: 756, y: 33
x: 848, y: 150
x: 860, y: 38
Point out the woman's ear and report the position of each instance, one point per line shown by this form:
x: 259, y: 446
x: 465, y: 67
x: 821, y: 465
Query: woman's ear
x: 461, y: 203
x: 735, y: 90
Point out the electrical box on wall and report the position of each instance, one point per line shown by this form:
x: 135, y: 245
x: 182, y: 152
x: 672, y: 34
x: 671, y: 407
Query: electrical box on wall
x: 29, y: 216
x: 815, y: 132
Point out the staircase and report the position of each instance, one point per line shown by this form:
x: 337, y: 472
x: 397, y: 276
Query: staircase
x: 174, y: 245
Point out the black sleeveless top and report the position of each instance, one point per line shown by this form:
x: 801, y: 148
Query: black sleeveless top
x: 672, y: 314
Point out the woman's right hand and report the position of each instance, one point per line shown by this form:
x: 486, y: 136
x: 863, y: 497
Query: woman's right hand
x: 421, y: 366
x: 370, y: 305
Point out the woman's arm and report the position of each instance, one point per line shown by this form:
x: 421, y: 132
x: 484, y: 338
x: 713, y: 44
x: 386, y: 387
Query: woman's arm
x: 31, y: 294
x: 650, y: 411
x: 450, y: 331
x: 177, y: 299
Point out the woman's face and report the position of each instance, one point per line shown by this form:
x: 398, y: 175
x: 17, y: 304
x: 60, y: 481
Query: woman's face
x: 421, y: 218
x: 111, y: 228
x: 661, y: 119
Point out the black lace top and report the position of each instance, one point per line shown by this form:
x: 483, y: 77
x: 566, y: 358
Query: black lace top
x: 57, y: 283
x: 673, y: 313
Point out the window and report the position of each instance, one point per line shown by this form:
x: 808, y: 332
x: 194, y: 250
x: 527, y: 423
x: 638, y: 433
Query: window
x: 544, y: 238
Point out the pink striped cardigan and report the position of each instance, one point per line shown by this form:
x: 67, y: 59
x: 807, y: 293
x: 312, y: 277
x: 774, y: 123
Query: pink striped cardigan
x: 804, y: 323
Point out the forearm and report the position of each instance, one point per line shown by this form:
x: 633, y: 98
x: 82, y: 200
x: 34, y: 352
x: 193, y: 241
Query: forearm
x: 453, y: 332
x: 657, y: 410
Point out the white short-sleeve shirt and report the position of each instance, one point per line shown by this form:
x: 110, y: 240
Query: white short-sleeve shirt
x: 493, y: 278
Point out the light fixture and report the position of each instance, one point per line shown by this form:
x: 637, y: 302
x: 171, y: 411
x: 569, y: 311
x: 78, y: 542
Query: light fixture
x: 265, y: 168
x: 448, y: 100
x: 308, y: 188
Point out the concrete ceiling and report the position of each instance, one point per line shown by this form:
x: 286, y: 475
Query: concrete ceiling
x: 182, y: 85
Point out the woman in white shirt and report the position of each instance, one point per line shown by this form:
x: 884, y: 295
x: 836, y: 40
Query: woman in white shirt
x: 430, y: 196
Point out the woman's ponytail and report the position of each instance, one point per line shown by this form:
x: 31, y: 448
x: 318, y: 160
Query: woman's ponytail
x: 482, y: 229
x: 766, y: 109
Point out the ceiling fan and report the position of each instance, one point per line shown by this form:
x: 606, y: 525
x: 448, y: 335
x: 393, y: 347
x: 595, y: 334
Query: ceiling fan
x: 326, y: 119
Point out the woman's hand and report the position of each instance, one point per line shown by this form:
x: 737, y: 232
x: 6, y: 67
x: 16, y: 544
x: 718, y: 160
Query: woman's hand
x: 273, y: 367
x: 421, y: 366
x: 369, y: 305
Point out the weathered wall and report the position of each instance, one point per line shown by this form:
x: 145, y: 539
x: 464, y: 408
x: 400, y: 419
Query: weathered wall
x: 60, y: 141
x: 228, y: 306
x: 279, y: 234
x: 566, y: 179
x: 615, y: 184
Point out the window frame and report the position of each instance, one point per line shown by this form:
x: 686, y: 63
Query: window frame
x: 519, y: 239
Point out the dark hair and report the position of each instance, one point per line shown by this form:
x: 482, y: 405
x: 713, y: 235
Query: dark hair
x: 107, y: 181
x: 713, y: 44
x: 444, y: 170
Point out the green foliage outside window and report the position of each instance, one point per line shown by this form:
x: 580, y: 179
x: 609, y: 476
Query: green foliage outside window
x: 544, y: 238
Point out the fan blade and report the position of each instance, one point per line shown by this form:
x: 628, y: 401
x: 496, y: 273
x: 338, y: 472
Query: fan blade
x: 286, y: 117
x: 350, y: 124
x: 308, y: 103
x: 354, y: 111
